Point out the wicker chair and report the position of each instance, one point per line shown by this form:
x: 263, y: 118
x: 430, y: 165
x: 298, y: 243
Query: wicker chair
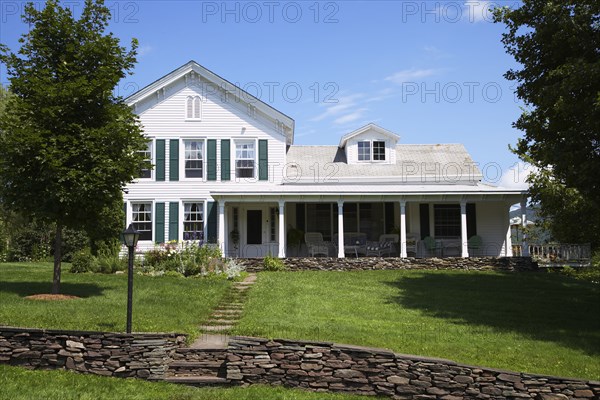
x: 315, y: 244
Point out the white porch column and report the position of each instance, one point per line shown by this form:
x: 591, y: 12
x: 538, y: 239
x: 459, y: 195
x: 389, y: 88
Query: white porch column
x: 221, y: 229
x: 508, y: 241
x: 282, y: 243
x: 525, y: 245
x: 463, y: 229
x: 341, y: 229
x: 403, y: 229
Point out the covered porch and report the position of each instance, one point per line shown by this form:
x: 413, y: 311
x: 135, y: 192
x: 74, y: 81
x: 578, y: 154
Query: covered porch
x: 256, y: 225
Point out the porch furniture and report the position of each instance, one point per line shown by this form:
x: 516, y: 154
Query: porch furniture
x: 432, y: 246
x: 385, y: 246
x: 315, y: 244
x: 451, y: 247
x: 354, y: 242
x: 412, y: 241
x: 475, y: 243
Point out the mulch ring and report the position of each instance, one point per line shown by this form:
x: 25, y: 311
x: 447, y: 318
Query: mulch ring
x: 51, y: 297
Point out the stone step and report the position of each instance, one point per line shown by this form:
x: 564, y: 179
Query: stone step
x: 197, y: 380
x: 215, y: 321
x: 215, y: 328
x: 226, y: 312
x: 196, y: 364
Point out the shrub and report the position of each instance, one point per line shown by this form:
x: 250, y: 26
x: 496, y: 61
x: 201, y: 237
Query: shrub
x: 84, y: 261
x: 271, y: 263
x: 233, y: 269
x: 111, y: 263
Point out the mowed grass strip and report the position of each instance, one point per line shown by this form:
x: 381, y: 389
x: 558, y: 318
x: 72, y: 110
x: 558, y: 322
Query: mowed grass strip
x: 531, y: 322
x: 21, y: 384
x: 160, y: 304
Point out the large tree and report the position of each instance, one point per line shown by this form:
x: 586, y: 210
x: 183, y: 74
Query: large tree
x: 557, y: 44
x: 68, y: 145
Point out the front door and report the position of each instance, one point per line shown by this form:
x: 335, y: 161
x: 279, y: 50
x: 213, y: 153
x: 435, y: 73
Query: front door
x: 254, y: 227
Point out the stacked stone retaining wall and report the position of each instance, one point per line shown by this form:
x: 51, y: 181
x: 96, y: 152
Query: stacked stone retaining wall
x: 370, y: 263
x: 140, y: 355
x: 317, y: 366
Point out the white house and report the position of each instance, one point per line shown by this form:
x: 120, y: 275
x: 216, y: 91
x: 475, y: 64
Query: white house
x: 225, y: 161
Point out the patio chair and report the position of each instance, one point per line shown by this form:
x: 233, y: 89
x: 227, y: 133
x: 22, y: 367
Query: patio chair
x: 411, y: 244
x: 474, y: 243
x: 385, y: 246
x: 432, y: 246
x: 315, y: 244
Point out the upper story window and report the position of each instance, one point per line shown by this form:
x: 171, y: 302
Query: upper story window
x: 371, y: 150
x: 193, y: 158
x: 364, y: 151
x: 244, y: 159
x: 147, y: 172
x: 378, y: 150
x: 193, y: 108
x: 141, y: 218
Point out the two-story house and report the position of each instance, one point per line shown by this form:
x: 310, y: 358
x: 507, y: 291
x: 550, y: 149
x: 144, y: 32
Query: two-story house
x: 226, y: 170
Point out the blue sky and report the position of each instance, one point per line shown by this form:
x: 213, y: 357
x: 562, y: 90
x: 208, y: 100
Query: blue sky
x: 430, y: 71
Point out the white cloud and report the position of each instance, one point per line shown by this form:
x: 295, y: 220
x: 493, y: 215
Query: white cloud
x: 516, y: 176
x: 343, y: 105
x: 408, y: 75
x: 478, y: 11
x: 142, y: 51
x: 353, y: 116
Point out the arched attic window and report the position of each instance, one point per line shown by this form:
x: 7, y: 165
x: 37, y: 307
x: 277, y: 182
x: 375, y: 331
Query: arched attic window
x: 193, y: 108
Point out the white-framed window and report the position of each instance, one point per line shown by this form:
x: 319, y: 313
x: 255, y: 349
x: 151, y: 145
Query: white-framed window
x: 141, y: 218
x: 193, y: 221
x: 194, y: 156
x: 364, y: 151
x: 378, y: 150
x: 193, y: 107
x: 147, y: 172
x: 371, y: 150
x: 245, y: 154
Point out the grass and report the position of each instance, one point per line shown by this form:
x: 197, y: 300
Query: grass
x: 532, y: 322
x: 21, y: 384
x: 160, y: 304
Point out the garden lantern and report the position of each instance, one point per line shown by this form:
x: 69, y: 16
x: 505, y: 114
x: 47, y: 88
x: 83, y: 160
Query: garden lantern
x: 130, y: 237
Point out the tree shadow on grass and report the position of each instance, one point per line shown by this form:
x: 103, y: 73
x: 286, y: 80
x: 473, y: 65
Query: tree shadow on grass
x: 30, y: 288
x: 540, y: 306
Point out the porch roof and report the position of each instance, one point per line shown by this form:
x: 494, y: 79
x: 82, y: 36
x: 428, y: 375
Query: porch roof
x: 406, y: 191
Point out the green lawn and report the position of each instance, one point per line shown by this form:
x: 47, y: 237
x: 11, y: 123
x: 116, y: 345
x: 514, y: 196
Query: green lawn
x: 21, y: 384
x: 533, y: 322
x: 160, y: 304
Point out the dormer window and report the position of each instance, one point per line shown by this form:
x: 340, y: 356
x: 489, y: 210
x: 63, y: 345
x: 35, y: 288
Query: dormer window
x: 371, y: 150
x: 193, y: 107
x: 378, y: 151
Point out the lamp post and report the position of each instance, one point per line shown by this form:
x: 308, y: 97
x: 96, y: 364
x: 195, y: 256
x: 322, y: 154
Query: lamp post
x: 130, y: 237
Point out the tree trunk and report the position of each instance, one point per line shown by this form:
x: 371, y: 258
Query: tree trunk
x: 57, y: 257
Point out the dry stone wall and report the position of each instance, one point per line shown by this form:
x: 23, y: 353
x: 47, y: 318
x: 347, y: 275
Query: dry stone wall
x: 145, y: 356
x: 370, y: 263
x: 323, y: 366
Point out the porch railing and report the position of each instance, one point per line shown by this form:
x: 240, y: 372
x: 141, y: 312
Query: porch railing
x: 558, y: 253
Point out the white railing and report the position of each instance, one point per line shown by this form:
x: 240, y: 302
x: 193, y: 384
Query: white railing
x: 561, y: 253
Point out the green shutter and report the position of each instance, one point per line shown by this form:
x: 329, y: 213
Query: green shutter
x: 125, y: 215
x: 159, y: 222
x: 211, y: 155
x: 173, y: 221
x: 225, y: 159
x: 160, y: 159
x: 174, y: 160
x: 211, y: 222
x: 263, y: 160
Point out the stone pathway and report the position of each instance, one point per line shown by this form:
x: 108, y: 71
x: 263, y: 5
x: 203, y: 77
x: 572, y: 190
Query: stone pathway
x: 225, y: 316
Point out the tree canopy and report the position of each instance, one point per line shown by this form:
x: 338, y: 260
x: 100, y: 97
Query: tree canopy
x: 68, y: 145
x: 557, y: 44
